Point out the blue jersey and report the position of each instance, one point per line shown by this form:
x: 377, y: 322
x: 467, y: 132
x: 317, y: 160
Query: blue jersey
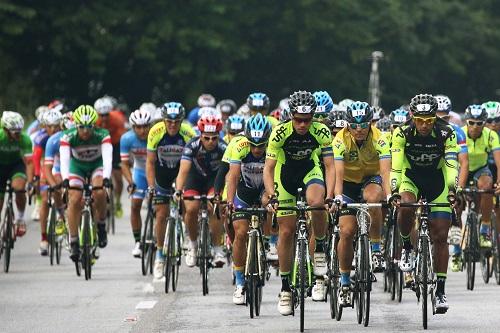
x: 33, y: 127
x: 130, y: 144
x: 193, y: 116
x: 461, y: 139
x: 52, y: 149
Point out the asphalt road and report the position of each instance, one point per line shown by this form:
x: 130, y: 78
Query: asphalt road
x: 35, y: 297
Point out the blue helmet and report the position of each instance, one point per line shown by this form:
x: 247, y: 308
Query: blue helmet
x: 399, y: 116
x: 172, y: 111
x: 258, y: 102
x: 359, y: 112
x: 476, y: 112
x: 235, y: 124
x: 324, y: 104
x: 258, y: 129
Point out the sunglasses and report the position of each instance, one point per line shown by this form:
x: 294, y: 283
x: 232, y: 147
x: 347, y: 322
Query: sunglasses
x: 424, y: 120
x: 173, y: 121
x: 14, y: 132
x: 85, y: 127
x: 140, y: 127
x: 493, y: 121
x: 210, y: 138
x: 360, y: 125
x: 302, y: 120
x: 475, y: 123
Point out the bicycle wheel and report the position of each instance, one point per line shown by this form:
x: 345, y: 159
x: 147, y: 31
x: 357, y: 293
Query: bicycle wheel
x: 251, y: 270
x: 260, y: 255
x: 424, y: 274
x: 205, y: 262
x: 51, y: 234
x: 177, y: 256
x: 495, y: 262
x: 335, y: 309
x: 86, y: 240
x: 485, y: 265
x: 359, y: 287
x: 472, y: 249
x: 366, y: 280
x: 168, y: 247
x: 8, y: 240
x: 302, y: 279
x: 147, y: 242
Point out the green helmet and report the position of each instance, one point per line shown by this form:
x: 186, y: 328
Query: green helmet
x: 85, y: 115
x: 492, y: 109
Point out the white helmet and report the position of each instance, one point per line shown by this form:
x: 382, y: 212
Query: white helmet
x: 206, y: 100
x: 39, y: 111
x: 51, y: 117
x: 244, y: 111
x: 343, y: 104
x: 148, y: 107
x: 12, y: 121
x: 67, y: 121
x: 284, y: 103
x: 156, y: 116
x: 140, y: 117
x: 103, y: 105
x: 209, y: 111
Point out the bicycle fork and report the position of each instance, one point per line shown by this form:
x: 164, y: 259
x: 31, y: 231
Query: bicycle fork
x: 302, y: 237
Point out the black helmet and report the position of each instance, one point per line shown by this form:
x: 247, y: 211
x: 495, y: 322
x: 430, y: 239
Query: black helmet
x: 336, y: 119
x: 359, y: 112
x: 423, y: 105
x: 302, y: 102
x: 258, y: 102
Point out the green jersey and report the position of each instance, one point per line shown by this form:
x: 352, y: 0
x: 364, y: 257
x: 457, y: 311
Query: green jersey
x: 11, y: 150
x: 86, y: 150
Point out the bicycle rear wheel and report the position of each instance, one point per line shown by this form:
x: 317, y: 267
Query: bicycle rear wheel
x: 303, y: 284
x: 110, y: 214
x: 51, y: 234
x: 87, y: 247
x: 485, y: 265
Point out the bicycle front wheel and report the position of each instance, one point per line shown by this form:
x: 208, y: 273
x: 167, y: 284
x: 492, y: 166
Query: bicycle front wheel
x: 303, y: 278
x: 169, y: 254
x: 86, y: 245
x: 251, y: 274
x: 205, y: 257
x: 147, y: 243
x: 51, y: 234
x: 423, y: 263
x: 8, y: 237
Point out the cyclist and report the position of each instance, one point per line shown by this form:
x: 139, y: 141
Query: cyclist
x: 424, y: 164
x: 166, y: 141
x: 378, y: 114
x: 86, y: 152
x: 16, y: 162
x: 114, y: 121
x: 443, y: 112
x: 51, y: 122
x: 336, y: 121
x: 226, y: 107
x: 52, y: 168
x: 480, y: 142
x: 324, y: 105
x: 35, y: 124
x: 199, y: 164
x: 362, y: 166
x: 259, y: 103
x: 245, y: 188
x: 234, y: 125
x: 292, y: 162
x: 205, y: 100
x: 133, y: 144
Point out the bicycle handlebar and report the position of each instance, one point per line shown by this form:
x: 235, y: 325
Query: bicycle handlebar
x: 478, y: 191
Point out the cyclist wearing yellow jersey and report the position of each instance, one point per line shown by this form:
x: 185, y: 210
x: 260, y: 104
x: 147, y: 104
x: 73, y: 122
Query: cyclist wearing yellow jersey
x: 424, y: 165
x: 166, y: 141
x: 259, y: 103
x: 292, y: 163
x: 480, y: 142
x: 362, y: 166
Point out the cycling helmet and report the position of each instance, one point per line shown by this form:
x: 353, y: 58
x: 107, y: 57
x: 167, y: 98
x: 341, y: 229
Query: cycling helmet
x: 258, y: 102
x: 258, y: 129
x: 57, y: 105
x: 148, y: 107
x: 378, y: 113
x: 39, y: 111
x: 103, y: 105
x: 343, y: 104
x: 85, y: 115
x: 423, y: 105
x: 51, y: 117
x: 173, y: 111
x: 235, y: 123
x: 285, y: 114
x: 384, y: 124
x: 284, y: 103
x: 206, y: 100
x: 67, y: 121
x: 336, y: 119
x: 444, y: 103
x: 226, y: 106
x: 476, y: 112
x: 492, y: 109
x: 399, y: 116
x: 208, y: 110
x: 140, y: 117
x: 359, y: 112
x: 302, y: 102
x: 324, y: 104
x: 12, y: 121
x: 157, y: 115
x: 244, y: 111
x: 209, y: 124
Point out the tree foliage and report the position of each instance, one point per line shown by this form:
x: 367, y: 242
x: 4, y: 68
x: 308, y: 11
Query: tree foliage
x: 174, y: 50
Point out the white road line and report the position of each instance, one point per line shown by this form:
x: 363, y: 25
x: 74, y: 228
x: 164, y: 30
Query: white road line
x: 145, y: 305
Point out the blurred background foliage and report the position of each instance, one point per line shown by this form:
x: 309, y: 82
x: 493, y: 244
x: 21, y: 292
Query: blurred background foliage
x: 159, y: 50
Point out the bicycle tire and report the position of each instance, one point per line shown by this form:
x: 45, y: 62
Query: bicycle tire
x: 399, y: 285
x: 335, y: 309
x: 86, y: 237
x: 205, y: 256
x: 496, y: 253
x: 485, y: 265
x: 169, y: 254
x: 112, y: 209
x: 303, y: 248
x: 251, y: 273
x: 424, y: 265
x: 473, y: 246
x: 51, y: 234
x: 358, y: 294
x: 146, y: 244
x: 261, y: 271
x: 366, y: 279
x: 8, y: 241
x: 177, y: 256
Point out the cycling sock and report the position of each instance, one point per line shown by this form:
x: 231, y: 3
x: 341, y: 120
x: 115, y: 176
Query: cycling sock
x: 285, y: 281
x: 485, y: 228
x: 406, y: 241
x: 441, y: 280
x: 159, y: 254
x: 375, y: 245
x: 44, y: 236
x: 239, y: 275
x: 457, y: 249
x: 137, y: 235
x: 345, y: 278
x: 194, y: 244
x: 273, y: 239
x: 320, y: 244
x: 73, y: 239
x: 20, y: 215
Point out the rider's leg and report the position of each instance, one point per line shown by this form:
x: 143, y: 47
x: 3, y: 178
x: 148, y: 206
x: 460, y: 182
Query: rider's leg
x: 485, y: 182
x: 239, y: 249
x: 135, y: 218
x: 345, y: 250
x: 191, y: 219
x: 19, y: 184
x: 285, y: 248
x: 315, y: 195
x: 406, y: 219
x: 373, y: 193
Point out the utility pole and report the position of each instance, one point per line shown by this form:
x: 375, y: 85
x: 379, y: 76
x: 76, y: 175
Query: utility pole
x: 374, y: 86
